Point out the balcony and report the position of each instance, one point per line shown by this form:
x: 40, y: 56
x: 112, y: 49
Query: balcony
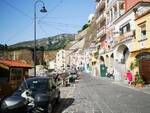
x: 124, y: 37
x: 122, y: 12
x: 100, y: 4
x: 101, y: 17
x: 101, y: 31
x: 101, y: 51
x: 111, y: 3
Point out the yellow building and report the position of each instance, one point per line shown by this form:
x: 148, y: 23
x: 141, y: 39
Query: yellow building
x: 141, y: 46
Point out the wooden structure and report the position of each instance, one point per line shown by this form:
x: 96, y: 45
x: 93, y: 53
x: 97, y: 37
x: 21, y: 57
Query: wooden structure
x: 11, y: 74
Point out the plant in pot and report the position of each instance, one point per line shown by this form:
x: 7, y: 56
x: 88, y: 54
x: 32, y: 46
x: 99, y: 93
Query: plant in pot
x: 131, y: 66
x: 96, y: 54
x: 139, y: 81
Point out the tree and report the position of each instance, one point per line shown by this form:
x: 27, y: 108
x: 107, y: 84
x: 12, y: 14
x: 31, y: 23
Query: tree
x: 83, y: 27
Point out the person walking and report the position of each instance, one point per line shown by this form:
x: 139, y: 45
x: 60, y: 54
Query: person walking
x: 129, y: 77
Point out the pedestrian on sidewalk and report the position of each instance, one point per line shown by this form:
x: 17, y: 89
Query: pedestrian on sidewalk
x: 129, y: 76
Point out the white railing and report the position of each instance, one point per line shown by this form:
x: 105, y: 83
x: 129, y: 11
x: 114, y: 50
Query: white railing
x: 111, y: 2
x: 99, y: 4
x: 103, y: 15
x: 124, y: 37
x: 101, y: 31
x: 101, y: 51
x: 122, y: 12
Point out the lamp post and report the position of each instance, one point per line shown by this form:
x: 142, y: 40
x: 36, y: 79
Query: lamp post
x: 43, y: 10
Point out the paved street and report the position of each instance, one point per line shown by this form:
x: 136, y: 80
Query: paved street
x: 96, y: 95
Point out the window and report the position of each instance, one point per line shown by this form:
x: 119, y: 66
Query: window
x: 107, y: 1
x: 62, y: 55
x: 37, y: 84
x: 63, y: 65
x: 125, y: 29
x: 4, y: 78
x: 16, y: 73
x: 143, y: 31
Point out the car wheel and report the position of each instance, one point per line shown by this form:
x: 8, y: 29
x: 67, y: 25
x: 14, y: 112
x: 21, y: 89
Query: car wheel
x: 49, y: 108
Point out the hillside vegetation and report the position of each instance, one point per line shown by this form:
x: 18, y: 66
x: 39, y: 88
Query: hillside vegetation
x: 51, y: 43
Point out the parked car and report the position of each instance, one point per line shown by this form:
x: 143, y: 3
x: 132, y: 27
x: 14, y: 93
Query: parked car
x: 34, y: 94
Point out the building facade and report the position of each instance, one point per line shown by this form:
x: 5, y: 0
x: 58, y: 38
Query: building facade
x: 141, y: 46
x: 60, y: 60
x: 130, y: 3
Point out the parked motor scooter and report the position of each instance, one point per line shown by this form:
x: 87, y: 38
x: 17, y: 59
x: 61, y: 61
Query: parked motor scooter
x: 110, y: 73
x: 14, y: 104
x: 24, y: 104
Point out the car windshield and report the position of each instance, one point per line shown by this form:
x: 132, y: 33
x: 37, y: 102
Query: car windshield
x: 38, y: 84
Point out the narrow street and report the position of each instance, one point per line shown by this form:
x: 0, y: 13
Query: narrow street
x: 97, y: 95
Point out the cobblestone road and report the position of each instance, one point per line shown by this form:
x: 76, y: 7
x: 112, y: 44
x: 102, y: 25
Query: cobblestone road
x: 94, y: 95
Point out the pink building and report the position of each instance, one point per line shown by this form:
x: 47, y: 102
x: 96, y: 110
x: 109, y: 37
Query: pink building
x: 130, y: 3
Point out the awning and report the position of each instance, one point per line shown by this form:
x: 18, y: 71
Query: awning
x: 14, y: 63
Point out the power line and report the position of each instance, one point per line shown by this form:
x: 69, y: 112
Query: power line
x: 60, y: 29
x: 55, y: 7
x: 17, y: 33
x: 66, y: 17
x: 16, y: 9
x: 60, y: 24
x: 57, y: 28
x: 42, y: 29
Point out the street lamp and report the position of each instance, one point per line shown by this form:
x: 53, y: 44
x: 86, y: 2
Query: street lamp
x: 43, y: 10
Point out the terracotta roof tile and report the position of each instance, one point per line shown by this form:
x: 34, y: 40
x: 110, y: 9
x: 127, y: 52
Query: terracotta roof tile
x: 14, y: 63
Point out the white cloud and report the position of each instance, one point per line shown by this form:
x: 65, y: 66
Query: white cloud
x: 90, y: 17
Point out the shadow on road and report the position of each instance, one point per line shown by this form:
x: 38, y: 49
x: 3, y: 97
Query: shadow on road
x: 64, y: 104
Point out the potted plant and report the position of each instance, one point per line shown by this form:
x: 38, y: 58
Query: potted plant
x: 96, y: 54
x: 131, y: 66
x: 135, y: 64
x: 139, y: 81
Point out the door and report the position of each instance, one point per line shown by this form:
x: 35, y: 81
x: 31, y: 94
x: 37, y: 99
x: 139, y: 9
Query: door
x: 144, y: 59
x: 145, y: 70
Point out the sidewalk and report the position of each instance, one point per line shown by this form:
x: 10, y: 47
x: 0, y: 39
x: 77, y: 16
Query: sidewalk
x: 145, y: 89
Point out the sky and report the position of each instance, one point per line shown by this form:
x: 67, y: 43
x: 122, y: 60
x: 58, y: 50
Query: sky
x: 63, y: 16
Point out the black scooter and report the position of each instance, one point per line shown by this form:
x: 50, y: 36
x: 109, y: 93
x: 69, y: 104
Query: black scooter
x: 23, y: 102
x: 14, y: 104
x: 109, y: 75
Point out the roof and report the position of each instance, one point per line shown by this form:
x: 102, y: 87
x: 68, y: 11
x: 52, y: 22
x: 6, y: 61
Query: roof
x: 14, y: 63
x: 131, y: 9
x: 144, y: 14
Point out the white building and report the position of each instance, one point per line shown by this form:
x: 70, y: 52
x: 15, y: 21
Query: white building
x: 51, y: 64
x: 124, y: 34
x: 60, y: 60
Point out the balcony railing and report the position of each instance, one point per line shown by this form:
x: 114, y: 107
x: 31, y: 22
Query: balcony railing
x: 101, y: 31
x: 125, y: 36
x: 100, y: 3
x: 101, y: 17
x: 122, y: 12
x: 111, y: 2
